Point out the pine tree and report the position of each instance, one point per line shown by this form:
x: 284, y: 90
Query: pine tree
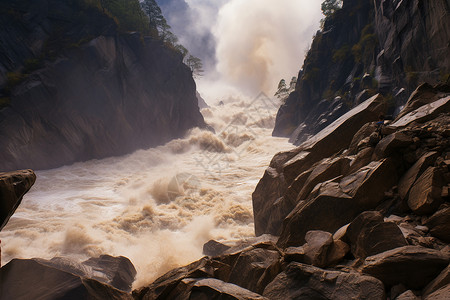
x: 282, y: 91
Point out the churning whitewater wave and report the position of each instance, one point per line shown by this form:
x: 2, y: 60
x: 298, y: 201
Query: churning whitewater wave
x: 157, y: 206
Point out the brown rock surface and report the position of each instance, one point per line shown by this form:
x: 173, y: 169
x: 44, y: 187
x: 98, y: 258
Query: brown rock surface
x: 300, y: 281
x: 439, y: 224
x: 29, y: 279
x: 336, y: 204
x: 13, y: 185
x: 425, y: 195
x: 413, y: 266
x: 408, y: 179
x: 369, y: 235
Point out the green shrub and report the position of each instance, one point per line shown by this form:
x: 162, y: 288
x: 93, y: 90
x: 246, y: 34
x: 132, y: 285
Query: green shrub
x: 341, y: 54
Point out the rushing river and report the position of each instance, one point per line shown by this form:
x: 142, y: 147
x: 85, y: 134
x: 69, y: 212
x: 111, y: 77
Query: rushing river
x: 157, y: 206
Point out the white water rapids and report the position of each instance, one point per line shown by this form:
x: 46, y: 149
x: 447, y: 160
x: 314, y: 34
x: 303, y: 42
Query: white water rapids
x: 157, y: 206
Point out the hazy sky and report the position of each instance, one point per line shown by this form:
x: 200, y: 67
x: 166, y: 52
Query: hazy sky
x: 246, y: 44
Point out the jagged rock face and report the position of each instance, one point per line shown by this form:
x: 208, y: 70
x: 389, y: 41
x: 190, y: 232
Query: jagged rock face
x: 366, y: 47
x: 109, y: 96
x: 13, y: 185
x: 413, y: 38
x: 301, y: 281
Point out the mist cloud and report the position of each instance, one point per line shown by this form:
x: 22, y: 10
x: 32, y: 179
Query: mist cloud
x: 261, y: 41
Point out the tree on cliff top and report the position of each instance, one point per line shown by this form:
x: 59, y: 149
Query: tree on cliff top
x: 329, y: 7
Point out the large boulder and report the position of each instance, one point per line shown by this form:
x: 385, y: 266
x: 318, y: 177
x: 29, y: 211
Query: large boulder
x: 255, y: 268
x: 440, y: 294
x: 13, y: 185
x: 392, y: 144
x: 425, y: 195
x: 29, y: 279
x: 118, y: 272
x: 210, y: 288
x: 413, y: 266
x: 300, y: 281
x: 442, y: 280
x: 334, y: 204
x: 408, y: 179
x: 369, y: 235
x: 424, y: 113
x: 439, y: 224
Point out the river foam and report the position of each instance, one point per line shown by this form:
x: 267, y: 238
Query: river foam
x: 156, y: 206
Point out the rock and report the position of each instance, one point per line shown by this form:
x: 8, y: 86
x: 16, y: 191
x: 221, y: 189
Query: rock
x: 338, y: 203
x: 442, y: 280
x: 364, y: 132
x: 413, y: 266
x: 13, y: 185
x: 200, y: 101
x: 425, y: 195
x: 118, y: 272
x: 391, y: 144
x: 439, y: 224
x: 268, y: 209
x: 325, y: 170
x: 162, y: 287
x: 214, y: 248
x: 408, y: 295
x: 369, y: 235
x: 339, y: 134
x: 424, y: 113
x: 337, y: 252
x: 424, y: 94
x: 211, y: 288
x: 255, y: 268
x: 408, y: 179
x: 300, y: 281
x: 441, y: 294
x: 363, y: 158
x: 98, y: 92
x: 298, y: 164
x: 317, y: 246
x: 29, y: 279
x: 295, y: 254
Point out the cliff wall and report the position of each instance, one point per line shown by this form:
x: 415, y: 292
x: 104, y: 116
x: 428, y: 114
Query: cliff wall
x: 92, y: 92
x: 365, y: 48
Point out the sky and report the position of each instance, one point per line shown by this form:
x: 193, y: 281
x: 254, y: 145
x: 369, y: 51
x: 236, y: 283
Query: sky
x: 247, y: 46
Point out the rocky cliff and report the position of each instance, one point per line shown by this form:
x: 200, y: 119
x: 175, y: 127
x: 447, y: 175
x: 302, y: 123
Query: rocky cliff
x: 354, y: 213
x: 76, y: 88
x: 365, y: 48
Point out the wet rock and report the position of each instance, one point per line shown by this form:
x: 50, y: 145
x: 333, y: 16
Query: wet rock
x: 325, y: 170
x: 29, y: 279
x: 442, y: 280
x: 408, y: 295
x: 300, y: 281
x: 424, y: 94
x: 268, y: 210
x: 316, y: 248
x: 211, y: 288
x: 369, y: 235
x: 255, y: 268
x: 214, y: 248
x: 408, y: 179
x: 13, y: 185
x: 338, y: 203
x: 118, y: 272
x: 363, y: 158
x: 439, y: 224
x: 425, y: 195
x: 391, y: 144
x: 424, y: 113
x: 162, y: 287
x: 441, y: 294
x: 413, y: 266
